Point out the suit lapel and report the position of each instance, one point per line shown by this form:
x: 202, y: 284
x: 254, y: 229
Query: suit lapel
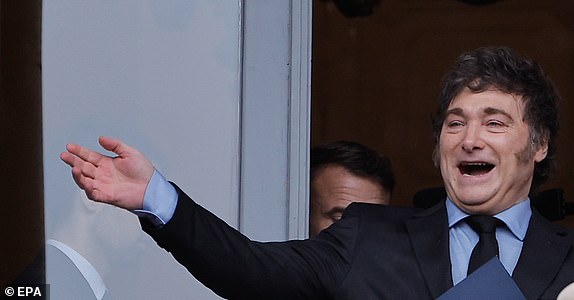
x: 428, y: 232
x: 543, y: 253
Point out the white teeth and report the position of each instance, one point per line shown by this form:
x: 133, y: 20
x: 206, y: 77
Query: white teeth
x: 475, y: 164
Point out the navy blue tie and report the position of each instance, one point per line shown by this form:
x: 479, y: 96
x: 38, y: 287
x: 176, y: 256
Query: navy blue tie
x: 487, y: 246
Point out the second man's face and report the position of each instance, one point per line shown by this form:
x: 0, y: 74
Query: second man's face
x: 333, y: 188
x: 487, y: 157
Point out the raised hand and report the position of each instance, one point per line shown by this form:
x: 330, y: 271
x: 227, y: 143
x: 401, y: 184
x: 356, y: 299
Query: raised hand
x: 120, y: 180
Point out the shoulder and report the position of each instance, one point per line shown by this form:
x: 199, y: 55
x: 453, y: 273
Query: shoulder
x: 377, y: 211
x: 540, y: 222
x: 364, y: 224
x: 373, y: 217
x: 548, y: 229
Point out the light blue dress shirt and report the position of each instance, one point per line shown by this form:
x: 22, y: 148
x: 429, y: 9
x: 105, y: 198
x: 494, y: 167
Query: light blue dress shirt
x: 160, y: 201
x: 510, y: 237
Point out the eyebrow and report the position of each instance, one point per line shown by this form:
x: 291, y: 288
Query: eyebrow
x: 495, y: 111
x: 487, y: 111
x: 454, y: 111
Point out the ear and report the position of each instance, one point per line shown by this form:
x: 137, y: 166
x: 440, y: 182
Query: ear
x: 541, y: 151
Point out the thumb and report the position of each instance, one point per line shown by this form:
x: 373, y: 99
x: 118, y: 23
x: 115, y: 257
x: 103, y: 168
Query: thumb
x: 114, y: 145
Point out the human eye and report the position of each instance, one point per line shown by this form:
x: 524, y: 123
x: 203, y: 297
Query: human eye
x: 336, y: 216
x: 495, y: 125
x: 454, y: 120
x: 454, y: 124
x: 336, y: 213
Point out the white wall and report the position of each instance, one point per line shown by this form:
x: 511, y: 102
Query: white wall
x: 164, y: 77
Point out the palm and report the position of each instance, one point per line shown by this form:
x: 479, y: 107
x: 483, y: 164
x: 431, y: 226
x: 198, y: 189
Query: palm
x: 120, y: 180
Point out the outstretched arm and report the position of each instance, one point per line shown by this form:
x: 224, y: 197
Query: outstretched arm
x: 119, y: 180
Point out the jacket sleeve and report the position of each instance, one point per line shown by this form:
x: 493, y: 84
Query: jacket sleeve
x: 235, y: 267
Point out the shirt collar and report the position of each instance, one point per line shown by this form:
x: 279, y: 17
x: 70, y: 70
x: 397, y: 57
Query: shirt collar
x: 515, y: 217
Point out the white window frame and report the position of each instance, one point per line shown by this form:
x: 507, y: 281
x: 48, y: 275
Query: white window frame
x: 275, y: 119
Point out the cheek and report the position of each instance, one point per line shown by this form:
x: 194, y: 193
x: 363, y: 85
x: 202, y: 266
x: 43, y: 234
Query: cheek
x: 436, y: 156
x: 449, y: 146
x: 442, y: 158
x: 525, y: 155
x: 315, y: 215
x: 449, y: 141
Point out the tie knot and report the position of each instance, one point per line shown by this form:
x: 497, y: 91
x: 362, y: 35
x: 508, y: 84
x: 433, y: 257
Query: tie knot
x: 483, y: 224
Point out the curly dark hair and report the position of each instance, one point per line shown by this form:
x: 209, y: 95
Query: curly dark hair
x: 357, y: 159
x: 502, y: 69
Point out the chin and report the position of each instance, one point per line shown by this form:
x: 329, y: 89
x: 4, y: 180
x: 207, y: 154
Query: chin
x: 473, y: 201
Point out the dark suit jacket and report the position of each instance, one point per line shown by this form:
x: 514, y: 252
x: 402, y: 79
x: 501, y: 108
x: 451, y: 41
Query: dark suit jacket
x: 374, y: 252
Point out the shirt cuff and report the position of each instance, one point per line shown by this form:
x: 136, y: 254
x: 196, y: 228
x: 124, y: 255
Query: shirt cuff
x: 160, y: 201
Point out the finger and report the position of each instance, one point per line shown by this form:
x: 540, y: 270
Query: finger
x: 92, y: 195
x: 84, y: 154
x: 117, y: 146
x: 80, y: 179
x: 87, y: 184
x: 68, y: 158
x: 88, y: 170
x: 92, y: 191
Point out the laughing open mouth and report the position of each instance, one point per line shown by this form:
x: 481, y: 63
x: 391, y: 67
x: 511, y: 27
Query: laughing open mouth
x: 475, y: 168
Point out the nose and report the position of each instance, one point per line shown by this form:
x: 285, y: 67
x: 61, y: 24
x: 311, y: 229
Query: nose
x: 472, y: 139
